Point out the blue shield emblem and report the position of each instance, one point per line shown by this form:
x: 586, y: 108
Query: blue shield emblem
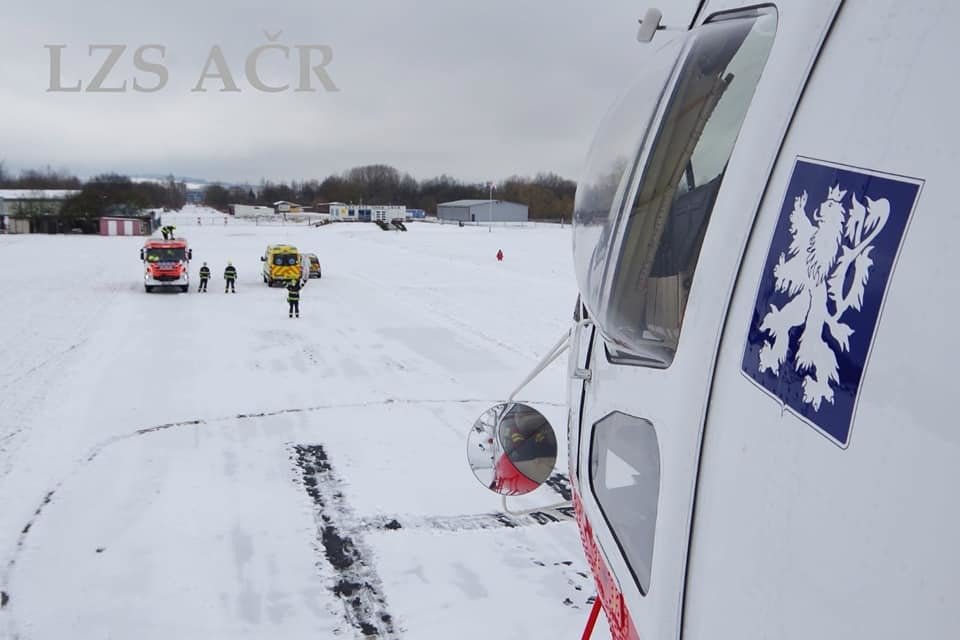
x: 824, y: 281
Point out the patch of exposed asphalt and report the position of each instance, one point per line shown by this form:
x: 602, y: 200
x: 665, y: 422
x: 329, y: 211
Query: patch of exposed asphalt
x: 197, y: 422
x: 357, y: 584
x: 471, y: 522
x: 558, y: 482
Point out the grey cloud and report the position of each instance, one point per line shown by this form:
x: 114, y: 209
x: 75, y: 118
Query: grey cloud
x: 475, y: 90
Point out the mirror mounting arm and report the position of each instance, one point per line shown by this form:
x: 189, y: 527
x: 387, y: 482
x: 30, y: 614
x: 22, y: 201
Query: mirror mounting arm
x: 562, y: 345
x: 580, y: 373
x: 552, y: 355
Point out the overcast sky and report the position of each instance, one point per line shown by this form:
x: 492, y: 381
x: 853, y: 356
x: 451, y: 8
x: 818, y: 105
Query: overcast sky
x: 478, y: 90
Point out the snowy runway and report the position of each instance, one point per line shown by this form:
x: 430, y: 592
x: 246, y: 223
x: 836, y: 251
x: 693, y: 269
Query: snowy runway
x: 179, y: 434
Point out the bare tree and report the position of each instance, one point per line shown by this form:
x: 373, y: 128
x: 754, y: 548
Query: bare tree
x: 218, y: 197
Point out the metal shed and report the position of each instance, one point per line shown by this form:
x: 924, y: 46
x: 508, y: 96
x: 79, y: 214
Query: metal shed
x: 481, y: 211
x: 123, y: 227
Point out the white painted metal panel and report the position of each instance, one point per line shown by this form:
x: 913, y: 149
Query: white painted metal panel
x: 796, y: 537
x: 675, y: 399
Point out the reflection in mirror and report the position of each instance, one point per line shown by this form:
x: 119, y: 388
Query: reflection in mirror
x: 512, y: 449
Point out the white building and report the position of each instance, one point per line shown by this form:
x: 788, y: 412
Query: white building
x: 29, y: 202
x: 367, y: 212
x: 251, y: 211
x: 283, y: 206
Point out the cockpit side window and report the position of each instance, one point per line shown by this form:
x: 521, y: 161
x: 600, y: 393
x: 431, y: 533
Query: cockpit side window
x: 668, y: 218
x: 625, y: 479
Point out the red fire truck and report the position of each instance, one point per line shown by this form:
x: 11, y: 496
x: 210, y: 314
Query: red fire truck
x: 166, y: 263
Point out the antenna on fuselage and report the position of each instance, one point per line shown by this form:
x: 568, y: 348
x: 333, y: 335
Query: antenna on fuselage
x: 649, y: 25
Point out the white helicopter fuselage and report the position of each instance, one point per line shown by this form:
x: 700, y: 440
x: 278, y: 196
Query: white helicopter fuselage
x: 761, y: 416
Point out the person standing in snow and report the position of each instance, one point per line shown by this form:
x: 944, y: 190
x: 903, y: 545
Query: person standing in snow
x: 230, y: 275
x: 293, y: 297
x: 204, y: 276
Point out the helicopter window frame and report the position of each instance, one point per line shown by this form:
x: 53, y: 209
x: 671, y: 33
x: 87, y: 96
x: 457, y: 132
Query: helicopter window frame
x: 652, y: 346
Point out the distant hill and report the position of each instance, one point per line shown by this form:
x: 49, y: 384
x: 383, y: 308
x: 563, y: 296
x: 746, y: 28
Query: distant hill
x: 192, y: 183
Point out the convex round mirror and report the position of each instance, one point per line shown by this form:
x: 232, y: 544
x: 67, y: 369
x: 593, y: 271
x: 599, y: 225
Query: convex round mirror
x: 512, y: 449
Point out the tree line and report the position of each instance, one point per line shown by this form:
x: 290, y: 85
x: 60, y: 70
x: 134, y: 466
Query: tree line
x: 547, y: 195
x: 113, y: 194
x: 46, y: 178
x: 103, y: 195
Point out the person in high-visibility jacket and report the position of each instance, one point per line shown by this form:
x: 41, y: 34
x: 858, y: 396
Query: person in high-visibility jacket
x: 293, y: 297
x: 204, y: 276
x: 230, y: 275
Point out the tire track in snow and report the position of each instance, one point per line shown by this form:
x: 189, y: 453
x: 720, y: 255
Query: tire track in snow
x: 198, y: 422
x: 19, y: 400
x: 473, y: 522
x: 357, y: 586
x: 560, y: 483
x: 339, y: 534
x: 55, y: 357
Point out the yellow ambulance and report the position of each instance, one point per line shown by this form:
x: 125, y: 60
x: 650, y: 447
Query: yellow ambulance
x: 281, y: 263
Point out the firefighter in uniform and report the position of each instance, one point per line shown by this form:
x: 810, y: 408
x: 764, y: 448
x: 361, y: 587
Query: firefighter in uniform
x: 230, y: 275
x: 204, y: 276
x: 293, y: 297
x: 167, y: 232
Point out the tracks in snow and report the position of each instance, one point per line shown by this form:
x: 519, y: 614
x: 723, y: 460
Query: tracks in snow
x: 340, y: 538
x: 339, y: 530
x: 357, y: 585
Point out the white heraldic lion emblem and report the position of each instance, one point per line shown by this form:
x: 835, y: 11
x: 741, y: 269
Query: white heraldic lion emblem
x: 815, y: 273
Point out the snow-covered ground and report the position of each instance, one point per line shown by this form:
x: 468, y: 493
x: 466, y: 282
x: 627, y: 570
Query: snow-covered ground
x: 201, y: 466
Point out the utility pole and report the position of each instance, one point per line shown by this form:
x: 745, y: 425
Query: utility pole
x: 490, y: 202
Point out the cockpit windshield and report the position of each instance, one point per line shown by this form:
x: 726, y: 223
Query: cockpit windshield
x: 610, y: 167
x: 285, y: 259
x: 639, y: 295
x: 166, y: 255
